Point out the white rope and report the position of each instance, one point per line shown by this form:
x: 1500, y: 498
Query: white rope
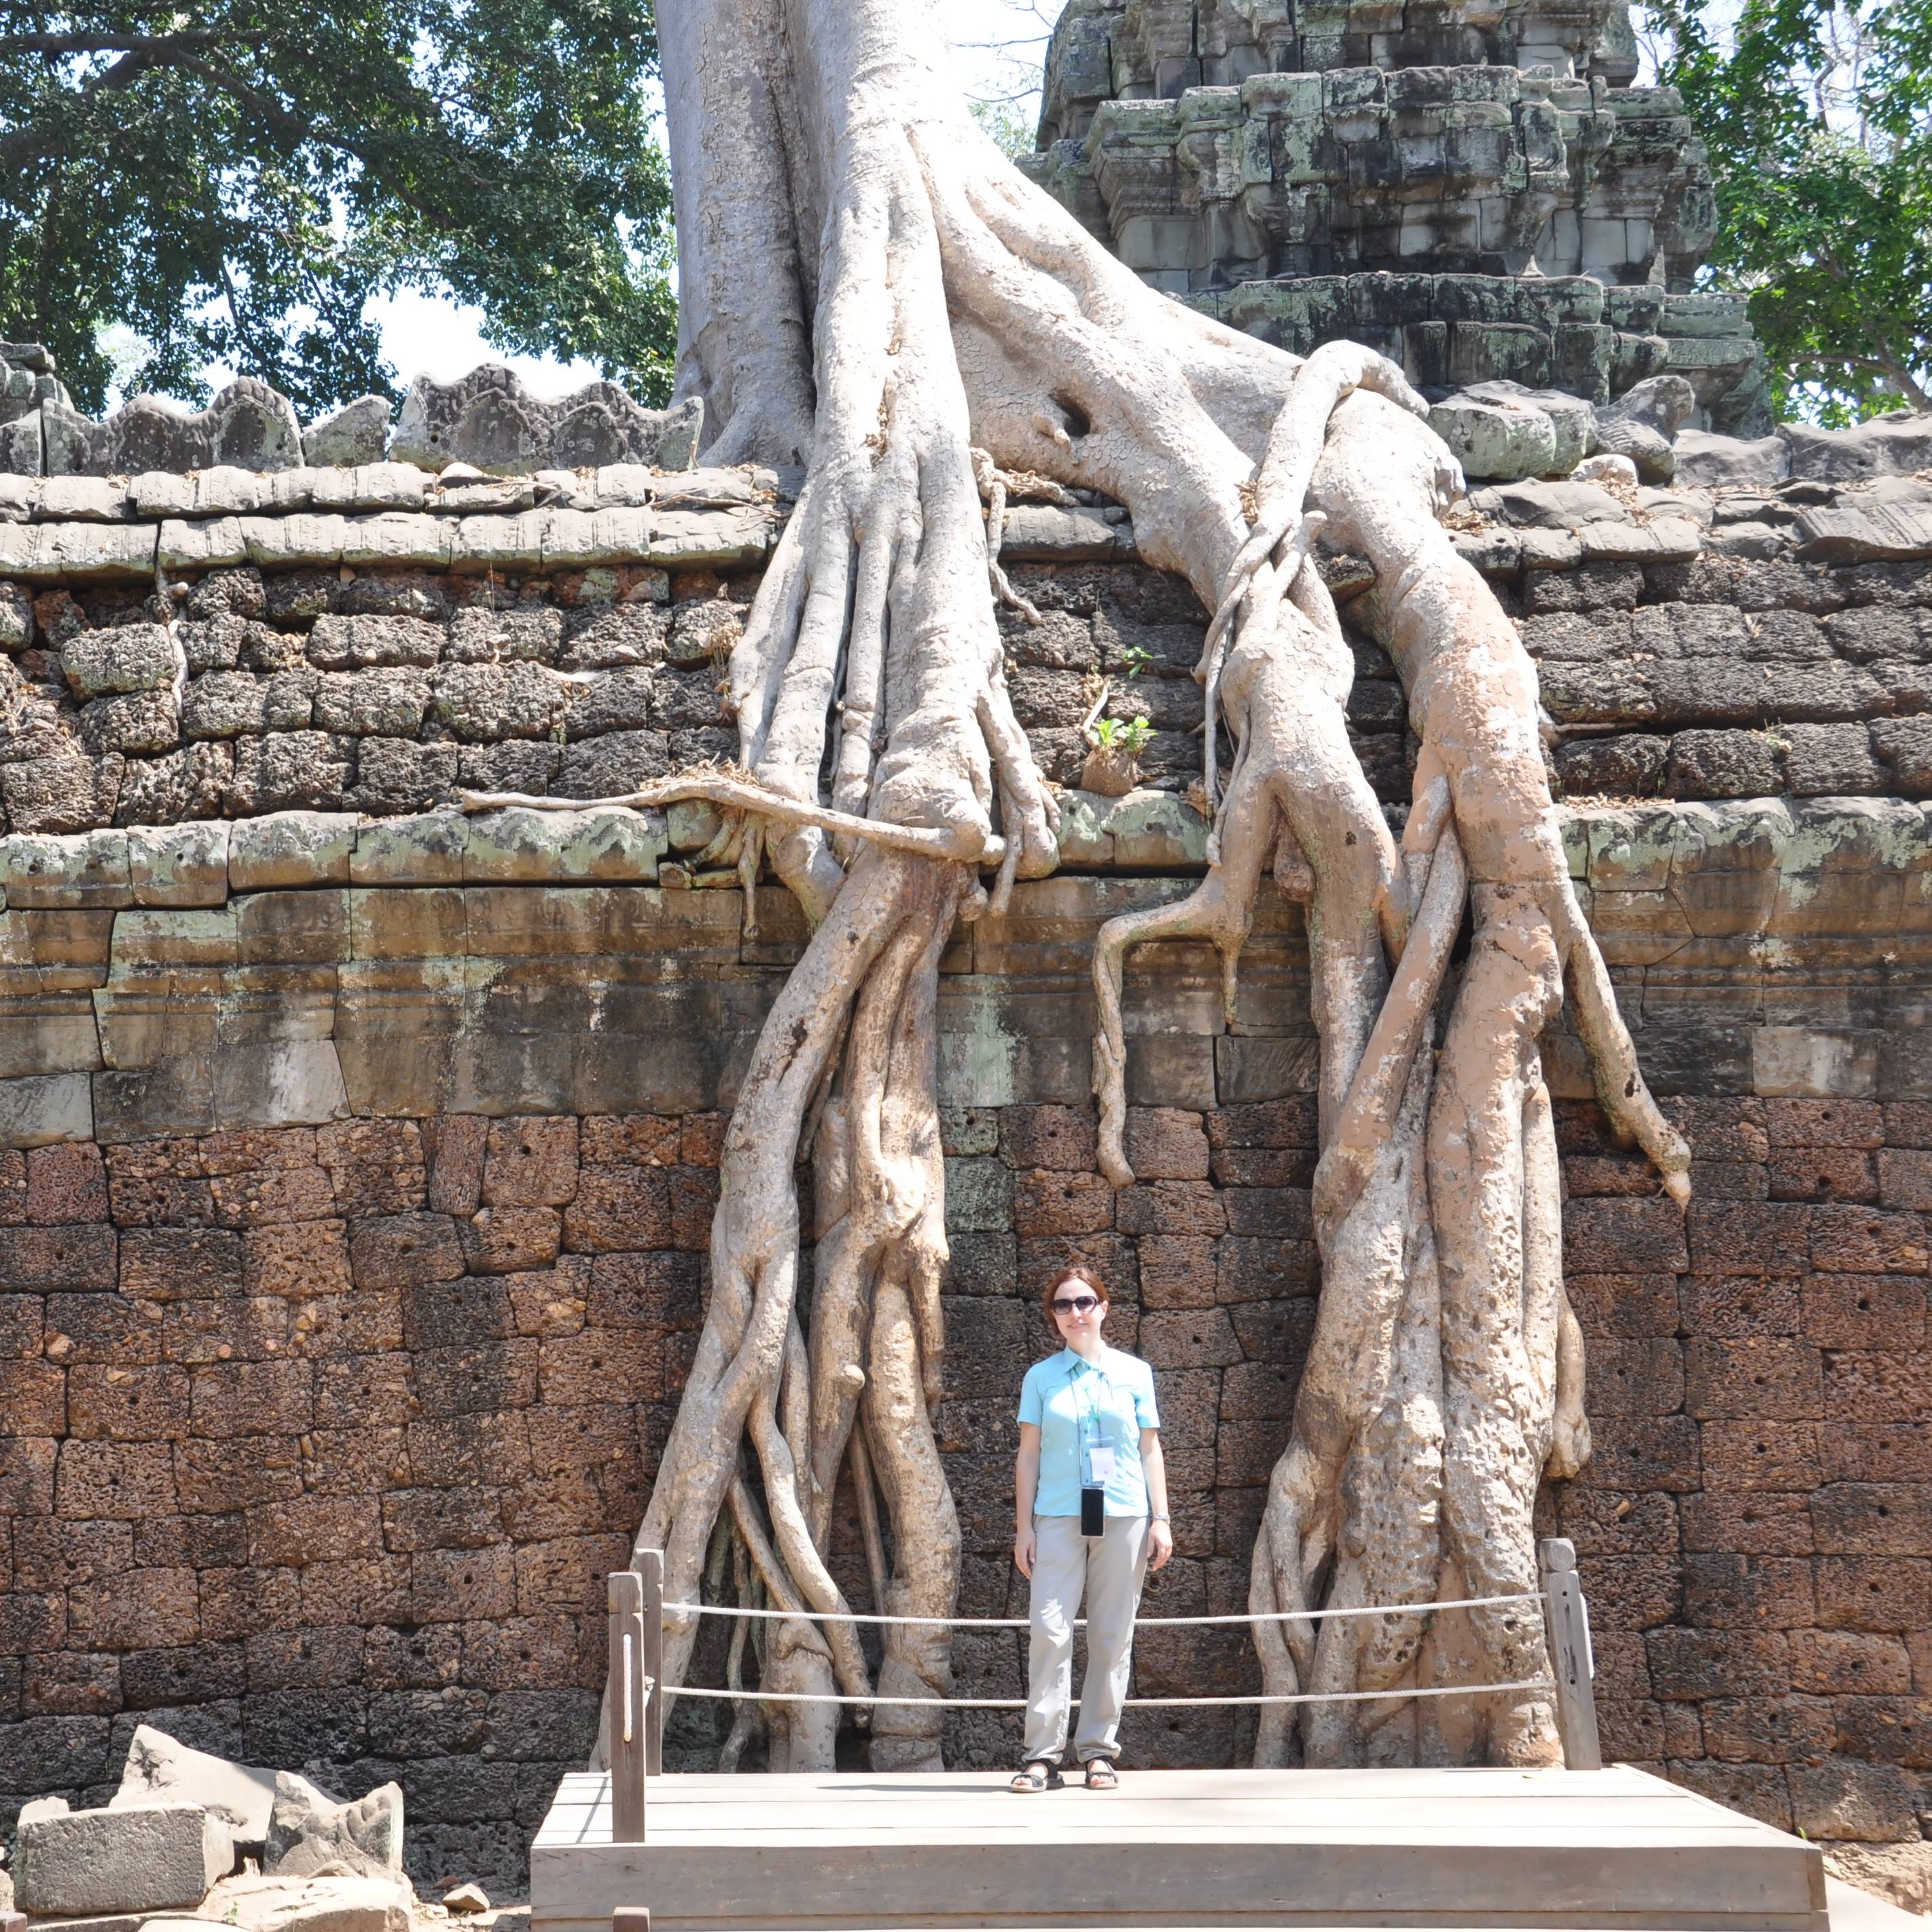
x: 1132, y: 1703
x: 1140, y: 1623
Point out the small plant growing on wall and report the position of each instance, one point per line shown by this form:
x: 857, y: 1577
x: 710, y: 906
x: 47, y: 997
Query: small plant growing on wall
x: 1113, y: 763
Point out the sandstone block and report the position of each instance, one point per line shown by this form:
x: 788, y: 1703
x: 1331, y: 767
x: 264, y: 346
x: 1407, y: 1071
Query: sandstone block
x: 423, y: 851
x: 1500, y: 438
x: 309, y: 1831
x: 161, y: 1770
x: 556, y: 847
x: 293, y: 1903
x: 355, y: 433
x: 123, y: 1860
x: 42, y: 1110
x: 291, y: 848
x: 52, y: 872
x: 178, y: 865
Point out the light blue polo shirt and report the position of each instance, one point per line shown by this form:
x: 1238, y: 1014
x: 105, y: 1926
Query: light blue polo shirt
x: 1073, y: 1403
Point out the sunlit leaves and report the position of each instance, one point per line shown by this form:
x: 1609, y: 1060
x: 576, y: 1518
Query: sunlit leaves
x: 1818, y: 123
x: 233, y: 179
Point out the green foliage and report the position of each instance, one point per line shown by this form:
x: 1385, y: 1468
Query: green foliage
x: 233, y: 180
x: 1112, y: 734
x: 1818, y: 119
x: 1011, y: 130
x: 1138, y: 658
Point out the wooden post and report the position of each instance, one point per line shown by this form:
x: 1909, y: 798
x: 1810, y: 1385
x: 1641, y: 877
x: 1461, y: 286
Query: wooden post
x: 630, y: 1692
x: 1567, y: 1620
x: 649, y: 1565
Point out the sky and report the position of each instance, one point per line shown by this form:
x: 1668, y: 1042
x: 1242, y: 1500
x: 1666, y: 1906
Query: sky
x: 999, y: 46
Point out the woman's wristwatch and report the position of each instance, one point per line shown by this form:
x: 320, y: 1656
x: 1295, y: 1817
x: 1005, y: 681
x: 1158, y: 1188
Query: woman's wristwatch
x: 1159, y: 1515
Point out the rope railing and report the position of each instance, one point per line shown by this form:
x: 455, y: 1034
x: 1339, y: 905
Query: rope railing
x: 637, y: 1686
x: 1140, y: 1623
x: 1395, y: 1696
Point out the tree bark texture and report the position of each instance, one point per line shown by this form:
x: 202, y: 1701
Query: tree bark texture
x: 869, y: 288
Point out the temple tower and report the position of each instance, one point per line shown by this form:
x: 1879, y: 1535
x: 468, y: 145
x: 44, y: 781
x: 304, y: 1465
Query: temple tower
x: 1474, y: 186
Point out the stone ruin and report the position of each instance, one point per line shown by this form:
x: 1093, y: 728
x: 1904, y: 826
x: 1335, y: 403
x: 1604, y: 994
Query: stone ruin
x: 357, y: 1156
x: 186, y: 1838
x: 487, y: 420
x: 1475, y: 187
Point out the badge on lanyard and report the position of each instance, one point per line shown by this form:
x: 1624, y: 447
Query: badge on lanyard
x: 1100, y: 1454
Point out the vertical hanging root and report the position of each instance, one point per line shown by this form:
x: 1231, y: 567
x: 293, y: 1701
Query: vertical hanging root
x: 1446, y: 1372
x: 1445, y: 1377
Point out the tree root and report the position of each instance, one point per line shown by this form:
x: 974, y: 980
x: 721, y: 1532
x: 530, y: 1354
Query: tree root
x: 741, y: 795
x: 965, y: 330
x: 1445, y: 1377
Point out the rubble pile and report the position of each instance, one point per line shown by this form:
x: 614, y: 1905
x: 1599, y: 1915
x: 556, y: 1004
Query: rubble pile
x: 190, y: 1837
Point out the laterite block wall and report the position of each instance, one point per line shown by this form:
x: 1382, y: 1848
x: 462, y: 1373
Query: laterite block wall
x: 356, y: 1160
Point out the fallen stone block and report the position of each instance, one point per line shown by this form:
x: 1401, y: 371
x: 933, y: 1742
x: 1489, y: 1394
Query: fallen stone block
x: 162, y: 1770
x: 318, y: 1904
x: 98, y: 1921
x: 1887, y: 533
x: 466, y: 1898
x: 1898, y: 444
x: 135, y: 1859
x: 1498, y: 439
x: 311, y: 1833
x: 1573, y: 420
x: 1642, y: 425
x: 1730, y: 462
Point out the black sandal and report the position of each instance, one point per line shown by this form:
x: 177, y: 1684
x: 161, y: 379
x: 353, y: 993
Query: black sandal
x: 1039, y: 1774
x: 1101, y: 1775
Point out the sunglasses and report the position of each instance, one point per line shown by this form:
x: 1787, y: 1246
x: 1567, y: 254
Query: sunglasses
x: 1078, y: 1304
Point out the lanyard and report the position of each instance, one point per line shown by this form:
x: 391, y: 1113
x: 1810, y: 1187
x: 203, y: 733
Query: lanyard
x: 1088, y: 1419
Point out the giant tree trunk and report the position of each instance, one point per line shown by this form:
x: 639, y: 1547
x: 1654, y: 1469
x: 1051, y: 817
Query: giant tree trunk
x: 869, y: 288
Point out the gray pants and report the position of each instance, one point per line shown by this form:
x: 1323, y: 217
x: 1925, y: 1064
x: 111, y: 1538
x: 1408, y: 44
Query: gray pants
x: 1110, y: 1569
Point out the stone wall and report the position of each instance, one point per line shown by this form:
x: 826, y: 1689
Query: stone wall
x: 356, y: 1157
x: 329, y: 1402
x: 370, y: 640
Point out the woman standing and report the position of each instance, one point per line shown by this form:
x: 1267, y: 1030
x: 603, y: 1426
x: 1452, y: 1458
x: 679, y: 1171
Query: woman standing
x: 1089, y: 1493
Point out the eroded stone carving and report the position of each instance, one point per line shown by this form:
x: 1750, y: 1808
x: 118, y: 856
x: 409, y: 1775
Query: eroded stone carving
x: 248, y: 425
x: 490, y: 419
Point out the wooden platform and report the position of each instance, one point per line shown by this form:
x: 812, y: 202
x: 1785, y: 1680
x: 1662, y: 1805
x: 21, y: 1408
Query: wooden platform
x: 1615, y: 1850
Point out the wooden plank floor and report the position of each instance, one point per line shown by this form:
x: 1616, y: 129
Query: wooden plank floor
x: 1614, y: 1850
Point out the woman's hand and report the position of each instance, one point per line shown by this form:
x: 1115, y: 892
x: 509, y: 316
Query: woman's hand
x: 1024, y: 1546
x: 1160, y: 1542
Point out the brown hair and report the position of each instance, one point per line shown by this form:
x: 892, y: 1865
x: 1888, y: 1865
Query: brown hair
x: 1079, y: 1271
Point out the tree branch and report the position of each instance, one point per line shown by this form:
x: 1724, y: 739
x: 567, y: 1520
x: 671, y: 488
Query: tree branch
x: 1887, y: 357
x: 151, y: 44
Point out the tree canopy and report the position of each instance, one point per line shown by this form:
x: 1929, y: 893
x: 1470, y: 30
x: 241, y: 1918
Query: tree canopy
x: 235, y: 179
x: 1818, y: 118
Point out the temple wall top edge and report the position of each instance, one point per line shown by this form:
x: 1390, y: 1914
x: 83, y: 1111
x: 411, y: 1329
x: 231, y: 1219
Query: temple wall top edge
x: 488, y: 421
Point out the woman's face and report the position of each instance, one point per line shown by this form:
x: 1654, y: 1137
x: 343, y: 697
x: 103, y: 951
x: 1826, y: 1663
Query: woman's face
x: 1078, y: 1311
